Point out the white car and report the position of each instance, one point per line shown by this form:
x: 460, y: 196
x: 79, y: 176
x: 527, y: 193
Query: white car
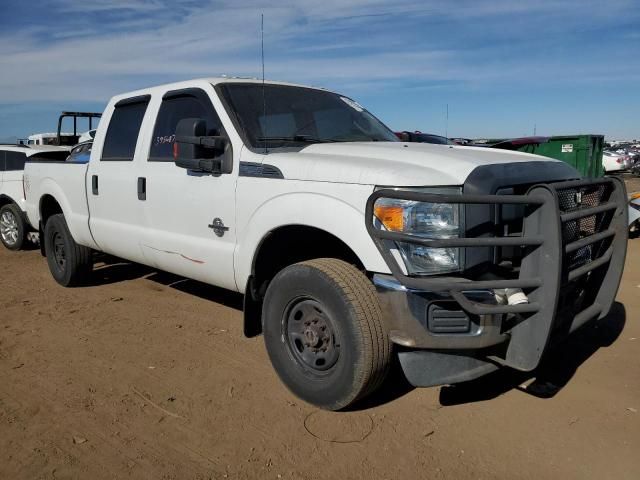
x: 613, y: 162
x: 343, y: 239
x: 87, y: 136
x: 13, y: 220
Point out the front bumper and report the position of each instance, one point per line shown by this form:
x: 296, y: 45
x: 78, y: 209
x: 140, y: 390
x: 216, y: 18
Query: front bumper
x: 410, y: 315
x: 573, y: 244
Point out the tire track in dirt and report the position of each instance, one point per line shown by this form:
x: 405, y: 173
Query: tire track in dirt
x: 81, y: 353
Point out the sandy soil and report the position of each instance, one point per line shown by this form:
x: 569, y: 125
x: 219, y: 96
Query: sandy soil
x: 146, y: 375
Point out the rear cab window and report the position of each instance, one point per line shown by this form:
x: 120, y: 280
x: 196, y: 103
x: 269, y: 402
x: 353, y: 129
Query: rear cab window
x: 124, y: 128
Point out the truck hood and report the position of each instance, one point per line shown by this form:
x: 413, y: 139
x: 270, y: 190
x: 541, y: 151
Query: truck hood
x: 391, y: 163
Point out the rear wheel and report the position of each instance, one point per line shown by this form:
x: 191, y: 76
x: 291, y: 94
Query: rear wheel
x: 324, y: 332
x: 69, y: 263
x: 13, y: 230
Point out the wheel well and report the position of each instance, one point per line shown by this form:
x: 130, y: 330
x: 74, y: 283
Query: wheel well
x: 48, y: 206
x: 4, y: 200
x: 283, y: 247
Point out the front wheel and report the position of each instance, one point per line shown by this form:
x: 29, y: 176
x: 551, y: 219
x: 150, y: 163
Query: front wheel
x: 13, y: 230
x: 324, y: 332
x: 69, y: 263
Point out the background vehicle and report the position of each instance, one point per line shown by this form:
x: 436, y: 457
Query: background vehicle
x: 13, y: 221
x: 342, y: 239
x: 51, y: 139
x: 613, y: 162
x: 65, y: 140
x: 81, y: 152
x: 75, y: 137
x: 420, y: 137
x: 87, y: 136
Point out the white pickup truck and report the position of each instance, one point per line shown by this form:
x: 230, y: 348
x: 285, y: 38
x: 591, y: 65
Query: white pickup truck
x: 343, y: 240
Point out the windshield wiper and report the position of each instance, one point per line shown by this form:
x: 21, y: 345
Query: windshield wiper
x: 296, y: 139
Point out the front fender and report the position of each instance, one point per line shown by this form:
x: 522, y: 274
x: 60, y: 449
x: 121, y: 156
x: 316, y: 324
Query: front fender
x: 341, y: 217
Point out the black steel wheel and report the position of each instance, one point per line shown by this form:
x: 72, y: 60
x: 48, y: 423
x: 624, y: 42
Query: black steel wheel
x: 324, y: 332
x: 59, y: 253
x: 310, y: 335
x: 70, y: 264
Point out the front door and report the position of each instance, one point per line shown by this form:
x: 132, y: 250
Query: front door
x: 190, y: 215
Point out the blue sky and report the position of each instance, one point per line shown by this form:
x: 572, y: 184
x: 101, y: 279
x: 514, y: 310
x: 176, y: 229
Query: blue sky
x: 502, y: 66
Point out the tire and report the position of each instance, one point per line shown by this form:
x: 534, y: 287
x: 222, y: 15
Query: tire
x: 69, y: 263
x: 13, y: 230
x: 335, y: 366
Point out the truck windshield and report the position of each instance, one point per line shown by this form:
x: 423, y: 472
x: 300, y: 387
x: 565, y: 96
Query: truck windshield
x: 297, y: 116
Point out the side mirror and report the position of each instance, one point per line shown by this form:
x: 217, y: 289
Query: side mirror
x: 194, y: 150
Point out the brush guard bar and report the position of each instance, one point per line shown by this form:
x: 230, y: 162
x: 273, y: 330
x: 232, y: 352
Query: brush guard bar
x: 573, y: 232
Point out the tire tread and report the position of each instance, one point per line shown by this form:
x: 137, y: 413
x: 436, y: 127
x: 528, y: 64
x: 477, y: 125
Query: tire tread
x: 359, y: 292
x: 79, y: 258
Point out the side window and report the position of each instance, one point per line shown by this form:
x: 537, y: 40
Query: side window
x: 189, y: 103
x: 2, y: 161
x: 14, y: 161
x: 124, y: 127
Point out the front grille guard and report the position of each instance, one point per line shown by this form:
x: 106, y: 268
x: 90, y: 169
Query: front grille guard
x: 543, y: 271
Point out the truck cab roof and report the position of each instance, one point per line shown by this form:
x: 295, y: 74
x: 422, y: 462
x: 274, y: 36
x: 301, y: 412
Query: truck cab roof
x: 205, y: 81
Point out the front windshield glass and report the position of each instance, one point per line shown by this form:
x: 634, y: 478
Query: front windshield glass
x: 297, y: 116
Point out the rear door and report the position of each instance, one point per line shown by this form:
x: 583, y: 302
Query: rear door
x: 182, y: 206
x: 117, y: 217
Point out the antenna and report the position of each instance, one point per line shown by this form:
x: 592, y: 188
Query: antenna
x: 264, y: 98
x: 446, y: 128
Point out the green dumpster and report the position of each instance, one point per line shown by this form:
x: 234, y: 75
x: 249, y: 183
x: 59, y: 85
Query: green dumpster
x: 584, y: 152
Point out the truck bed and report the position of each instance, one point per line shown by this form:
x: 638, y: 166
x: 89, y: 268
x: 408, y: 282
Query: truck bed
x: 64, y: 181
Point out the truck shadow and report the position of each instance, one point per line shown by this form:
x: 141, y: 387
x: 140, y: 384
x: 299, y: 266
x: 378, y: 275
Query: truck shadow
x: 554, y: 372
x: 109, y: 270
x: 394, y: 386
x: 201, y: 290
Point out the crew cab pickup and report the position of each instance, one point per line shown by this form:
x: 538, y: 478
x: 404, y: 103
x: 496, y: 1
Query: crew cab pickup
x: 14, y: 227
x: 344, y: 240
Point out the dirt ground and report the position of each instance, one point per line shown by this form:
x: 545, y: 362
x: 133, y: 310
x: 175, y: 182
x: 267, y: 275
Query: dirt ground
x: 146, y: 375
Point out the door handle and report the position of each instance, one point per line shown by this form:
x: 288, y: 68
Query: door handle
x: 142, y: 188
x: 94, y: 184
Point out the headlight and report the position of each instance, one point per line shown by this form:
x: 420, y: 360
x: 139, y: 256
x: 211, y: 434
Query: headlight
x: 427, y: 220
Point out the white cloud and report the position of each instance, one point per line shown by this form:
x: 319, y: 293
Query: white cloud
x: 152, y: 41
